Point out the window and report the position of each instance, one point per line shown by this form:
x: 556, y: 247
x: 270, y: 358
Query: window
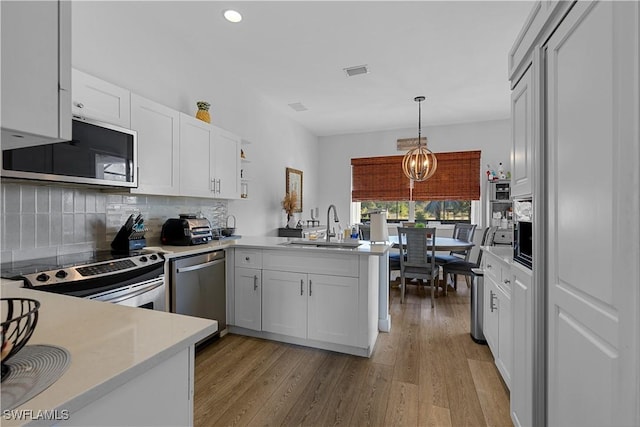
x: 450, y: 196
x: 445, y: 211
x: 381, y: 178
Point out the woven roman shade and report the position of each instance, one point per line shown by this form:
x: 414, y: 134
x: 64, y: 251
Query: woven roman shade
x: 382, y: 179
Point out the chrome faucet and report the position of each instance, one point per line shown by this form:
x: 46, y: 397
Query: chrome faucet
x: 335, y: 219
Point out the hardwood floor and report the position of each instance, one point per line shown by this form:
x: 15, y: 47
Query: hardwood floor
x: 426, y: 372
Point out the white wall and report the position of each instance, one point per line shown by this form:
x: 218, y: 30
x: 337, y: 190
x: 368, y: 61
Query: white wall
x: 107, y: 43
x: 335, y: 153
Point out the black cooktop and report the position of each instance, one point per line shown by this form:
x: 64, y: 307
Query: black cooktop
x: 10, y: 270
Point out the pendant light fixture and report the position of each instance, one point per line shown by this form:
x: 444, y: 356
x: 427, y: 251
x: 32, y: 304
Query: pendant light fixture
x: 419, y: 164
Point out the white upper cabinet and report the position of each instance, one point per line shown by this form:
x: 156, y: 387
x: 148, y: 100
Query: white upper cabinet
x: 158, y: 130
x: 209, y: 160
x: 36, y: 72
x: 226, y: 164
x: 195, y: 143
x: 522, y: 136
x: 96, y: 99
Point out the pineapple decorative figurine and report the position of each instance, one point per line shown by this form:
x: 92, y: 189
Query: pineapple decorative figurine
x: 203, y: 111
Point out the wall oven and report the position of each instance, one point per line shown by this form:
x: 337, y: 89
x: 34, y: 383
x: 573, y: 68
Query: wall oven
x: 134, y: 279
x: 523, y: 232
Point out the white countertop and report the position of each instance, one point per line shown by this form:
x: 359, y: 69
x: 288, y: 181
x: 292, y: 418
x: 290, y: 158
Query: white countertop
x: 109, y: 344
x: 503, y: 253
x: 268, y: 242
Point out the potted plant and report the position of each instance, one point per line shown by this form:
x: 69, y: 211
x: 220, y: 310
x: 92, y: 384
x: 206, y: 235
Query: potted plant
x: 289, y: 205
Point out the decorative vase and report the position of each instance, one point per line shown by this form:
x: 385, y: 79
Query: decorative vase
x: 291, y: 221
x: 203, y: 111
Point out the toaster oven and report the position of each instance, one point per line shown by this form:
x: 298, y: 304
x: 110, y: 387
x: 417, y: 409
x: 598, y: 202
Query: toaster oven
x: 185, y: 231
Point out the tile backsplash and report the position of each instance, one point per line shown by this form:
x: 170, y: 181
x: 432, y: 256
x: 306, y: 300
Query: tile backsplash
x: 47, y: 220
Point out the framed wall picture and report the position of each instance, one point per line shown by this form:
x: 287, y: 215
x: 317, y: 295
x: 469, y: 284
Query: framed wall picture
x: 294, y: 184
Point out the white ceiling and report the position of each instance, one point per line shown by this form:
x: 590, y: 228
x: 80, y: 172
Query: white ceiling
x: 454, y: 53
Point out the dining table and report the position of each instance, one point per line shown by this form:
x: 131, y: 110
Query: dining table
x: 441, y: 243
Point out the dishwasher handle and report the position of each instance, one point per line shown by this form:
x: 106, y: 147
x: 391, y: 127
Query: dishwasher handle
x: 199, y: 266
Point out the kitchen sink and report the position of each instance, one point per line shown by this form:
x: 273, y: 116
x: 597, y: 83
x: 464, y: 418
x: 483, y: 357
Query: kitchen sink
x: 322, y: 244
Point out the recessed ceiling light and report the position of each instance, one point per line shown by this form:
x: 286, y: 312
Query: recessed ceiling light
x: 232, y: 15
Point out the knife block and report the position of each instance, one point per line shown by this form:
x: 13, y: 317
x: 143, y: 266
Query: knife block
x: 127, y: 240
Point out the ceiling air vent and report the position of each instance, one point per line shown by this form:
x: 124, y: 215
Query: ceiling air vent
x: 298, y: 106
x: 354, y: 71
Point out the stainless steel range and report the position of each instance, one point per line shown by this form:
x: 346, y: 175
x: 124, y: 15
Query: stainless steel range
x: 135, y: 279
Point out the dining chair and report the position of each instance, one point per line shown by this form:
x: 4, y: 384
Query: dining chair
x: 465, y: 267
x: 394, y: 262
x: 417, y: 260
x: 461, y: 232
x: 365, y: 231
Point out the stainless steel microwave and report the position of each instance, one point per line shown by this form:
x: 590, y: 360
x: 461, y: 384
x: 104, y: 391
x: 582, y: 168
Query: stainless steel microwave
x: 98, y: 153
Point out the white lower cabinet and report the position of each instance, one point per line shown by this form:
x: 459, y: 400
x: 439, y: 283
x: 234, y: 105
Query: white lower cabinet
x: 490, y: 321
x: 522, y: 372
x: 161, y: 395
x: 333, y: 308
x: 287, y: 298
x: 312, y: 306
x: 504, y: 359
x: 284, y: 302
x: 497, y: 326
x: 248, y: 298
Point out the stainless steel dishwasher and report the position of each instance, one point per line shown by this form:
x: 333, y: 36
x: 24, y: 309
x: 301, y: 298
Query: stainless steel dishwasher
x: 198, y: 287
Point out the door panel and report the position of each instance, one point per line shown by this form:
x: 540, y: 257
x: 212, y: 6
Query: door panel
x: 333, y: 309
x: 592, y: 241
x: 284, y: 303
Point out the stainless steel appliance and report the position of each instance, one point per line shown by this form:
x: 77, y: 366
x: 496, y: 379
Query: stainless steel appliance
x: 135, y: 279
x: 477, y: 307
x: 523, y: 232
x: 98, y: 153
x: 186, y: 230
x: 198, y: 286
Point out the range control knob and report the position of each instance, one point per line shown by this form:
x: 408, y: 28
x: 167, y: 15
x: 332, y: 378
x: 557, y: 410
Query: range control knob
x: 143, y: 259
x: 153, y: 257
x: 42, y: 277
x: 61, y: 274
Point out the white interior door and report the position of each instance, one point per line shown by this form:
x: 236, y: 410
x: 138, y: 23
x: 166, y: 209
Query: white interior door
x: 592, y: 237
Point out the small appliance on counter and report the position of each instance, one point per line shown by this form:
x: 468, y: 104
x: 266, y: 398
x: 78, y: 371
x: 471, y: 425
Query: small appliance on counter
x: 131, y: 235
x: 187, y: 230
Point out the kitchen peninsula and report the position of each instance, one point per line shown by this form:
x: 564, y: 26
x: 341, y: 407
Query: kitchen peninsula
x: 128, y: 366
x: 328, y: 295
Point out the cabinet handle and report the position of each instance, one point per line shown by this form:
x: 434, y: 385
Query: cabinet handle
x: 247, y: 259
x: 213, y: 186
x: 255, y: 282
x: 507, y: 281
x: 310, y: 287
x: 489, y: 266
x: 492, y: 297
x: 301, y: 290
x: 79, y: 105
x: 218, y: 186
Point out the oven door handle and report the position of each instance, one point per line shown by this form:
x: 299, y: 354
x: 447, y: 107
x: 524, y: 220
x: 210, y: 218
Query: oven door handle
x: 134, y: 294
x: 199, y: 266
